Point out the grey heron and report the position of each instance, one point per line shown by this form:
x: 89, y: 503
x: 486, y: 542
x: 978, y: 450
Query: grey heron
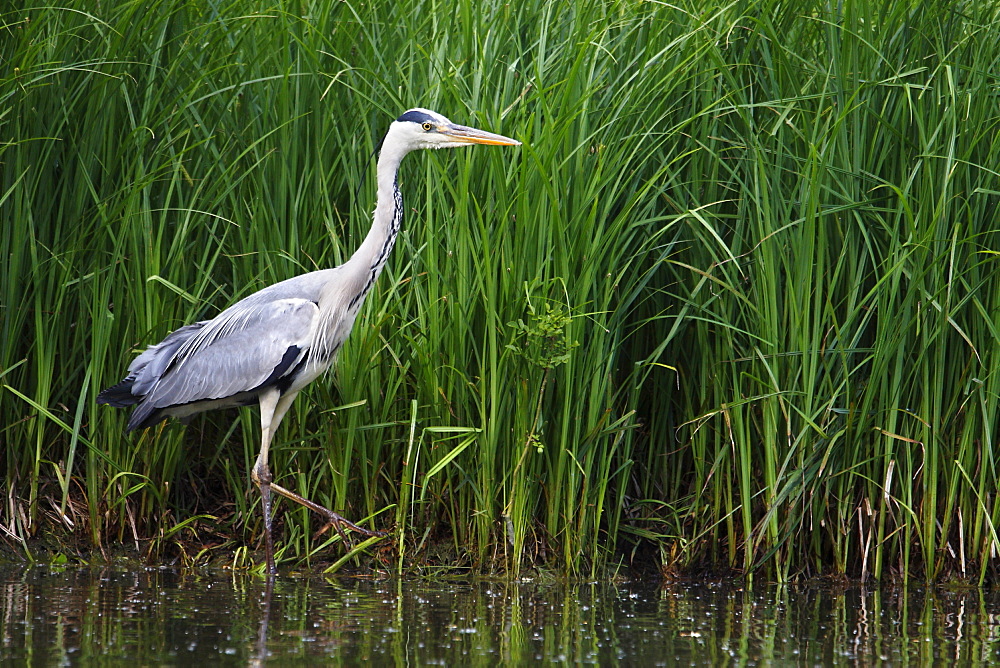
x: 266, y: 347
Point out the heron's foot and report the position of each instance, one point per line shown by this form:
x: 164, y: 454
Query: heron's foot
x: 340, y: 523
x: 332, y: 519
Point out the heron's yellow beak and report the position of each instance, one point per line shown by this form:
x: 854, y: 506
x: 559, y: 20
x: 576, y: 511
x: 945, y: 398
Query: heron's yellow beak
x: 466, y: 135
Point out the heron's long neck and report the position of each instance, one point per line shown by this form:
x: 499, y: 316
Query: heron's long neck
x: 367, y: 262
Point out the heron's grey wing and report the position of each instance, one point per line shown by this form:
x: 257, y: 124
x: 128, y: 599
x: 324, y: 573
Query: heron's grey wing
x: 146, y: 369
x: 243, y: 349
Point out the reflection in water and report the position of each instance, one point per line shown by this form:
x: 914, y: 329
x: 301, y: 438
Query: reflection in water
x: 158, y: 616
x: 265, y: 619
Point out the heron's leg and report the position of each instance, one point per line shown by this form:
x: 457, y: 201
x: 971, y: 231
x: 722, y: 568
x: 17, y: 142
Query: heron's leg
x: 272, y: 408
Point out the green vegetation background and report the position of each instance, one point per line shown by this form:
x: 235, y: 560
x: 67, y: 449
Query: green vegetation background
x: 735, y: 301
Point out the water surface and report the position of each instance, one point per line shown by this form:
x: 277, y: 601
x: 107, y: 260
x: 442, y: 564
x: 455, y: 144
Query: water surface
x: 170, y: 617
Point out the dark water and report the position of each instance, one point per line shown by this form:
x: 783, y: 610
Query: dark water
x: 169, y: 617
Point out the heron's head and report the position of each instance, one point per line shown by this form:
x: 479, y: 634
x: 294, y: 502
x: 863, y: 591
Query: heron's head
x: 422, y: 128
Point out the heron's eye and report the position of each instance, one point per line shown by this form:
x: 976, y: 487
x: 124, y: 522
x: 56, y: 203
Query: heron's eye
x: 426, y: 125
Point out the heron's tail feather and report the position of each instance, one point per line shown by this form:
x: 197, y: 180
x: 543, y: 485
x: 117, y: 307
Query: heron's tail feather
x: 119, y: 395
